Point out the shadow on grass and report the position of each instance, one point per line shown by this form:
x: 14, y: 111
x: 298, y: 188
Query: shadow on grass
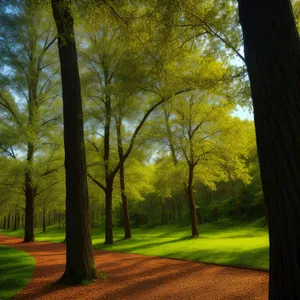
x: 16, y: 268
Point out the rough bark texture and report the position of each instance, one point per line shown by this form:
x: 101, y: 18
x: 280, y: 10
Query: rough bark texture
x: 272, y: 53
x: 80, y: 261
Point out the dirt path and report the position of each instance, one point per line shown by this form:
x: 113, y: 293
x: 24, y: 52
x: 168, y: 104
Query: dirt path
x: 138, y: 277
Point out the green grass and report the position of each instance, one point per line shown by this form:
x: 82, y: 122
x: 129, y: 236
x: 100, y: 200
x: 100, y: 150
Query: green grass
x: 239, y: 245
x: 16, y: 268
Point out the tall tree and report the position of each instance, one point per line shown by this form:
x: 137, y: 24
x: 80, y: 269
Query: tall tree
x: 272, y: 52
x: 80, y: 264
x: 26, y: 87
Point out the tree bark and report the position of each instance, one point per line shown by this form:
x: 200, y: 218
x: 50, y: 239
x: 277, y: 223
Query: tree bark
x: 108, y: 212
x: 15, y: 221
x: 80, y: 264
x: 18, y: 225
x: 192, y: 204
x: 29, y: 197
x: 127, y: 229
x: 272, y: 53
x: 8, y: 221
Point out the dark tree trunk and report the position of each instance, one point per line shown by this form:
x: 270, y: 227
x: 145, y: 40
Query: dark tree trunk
x: 4, y: 223
x: 18, y: 222
x: 29, y: 198
x: 127, y: 229
x: 192, y: 204
x: 8, y: 221
x: 108, y: 212
x: 15, y: 221
x: 44, y: 220
x: 272, y: 53
x: 80, y: 264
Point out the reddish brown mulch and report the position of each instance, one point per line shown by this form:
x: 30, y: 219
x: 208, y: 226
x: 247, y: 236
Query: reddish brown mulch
x: 138, y: 277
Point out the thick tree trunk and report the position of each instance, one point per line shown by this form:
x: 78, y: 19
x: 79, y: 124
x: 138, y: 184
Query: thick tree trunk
x: 4, y: 223
x: 80, y: 264
x: 272, y: 52
x: 108, y: 212
x: 192, y: 204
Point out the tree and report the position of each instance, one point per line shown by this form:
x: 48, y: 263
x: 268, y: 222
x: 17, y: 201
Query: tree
x: 199, y: 131
x: 272, y: 52
x: 80, y: 264
x: 27, y: 85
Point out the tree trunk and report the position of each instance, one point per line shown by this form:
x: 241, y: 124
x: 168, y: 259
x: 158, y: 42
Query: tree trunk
x: 15, y: 221
x: 18, y: 222
x: 8, y: 221
x: 127, y: 229
x: 108, y: 212
x: 192, y: 204
x: 272, y: 52
x: 4, y: 222
x: 29, y: 197
x: 44, y: 220
x: 59, y: 219
x: 80, y: 264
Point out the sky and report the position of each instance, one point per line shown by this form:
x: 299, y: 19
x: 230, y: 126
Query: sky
x: 243, y: 113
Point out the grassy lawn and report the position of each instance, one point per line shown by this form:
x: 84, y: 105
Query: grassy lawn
x: 240, y: 245
x: 16, y: 268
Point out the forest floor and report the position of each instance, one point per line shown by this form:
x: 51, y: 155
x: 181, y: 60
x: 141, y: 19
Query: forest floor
x: 132, y: 276
x: 244, y: 245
